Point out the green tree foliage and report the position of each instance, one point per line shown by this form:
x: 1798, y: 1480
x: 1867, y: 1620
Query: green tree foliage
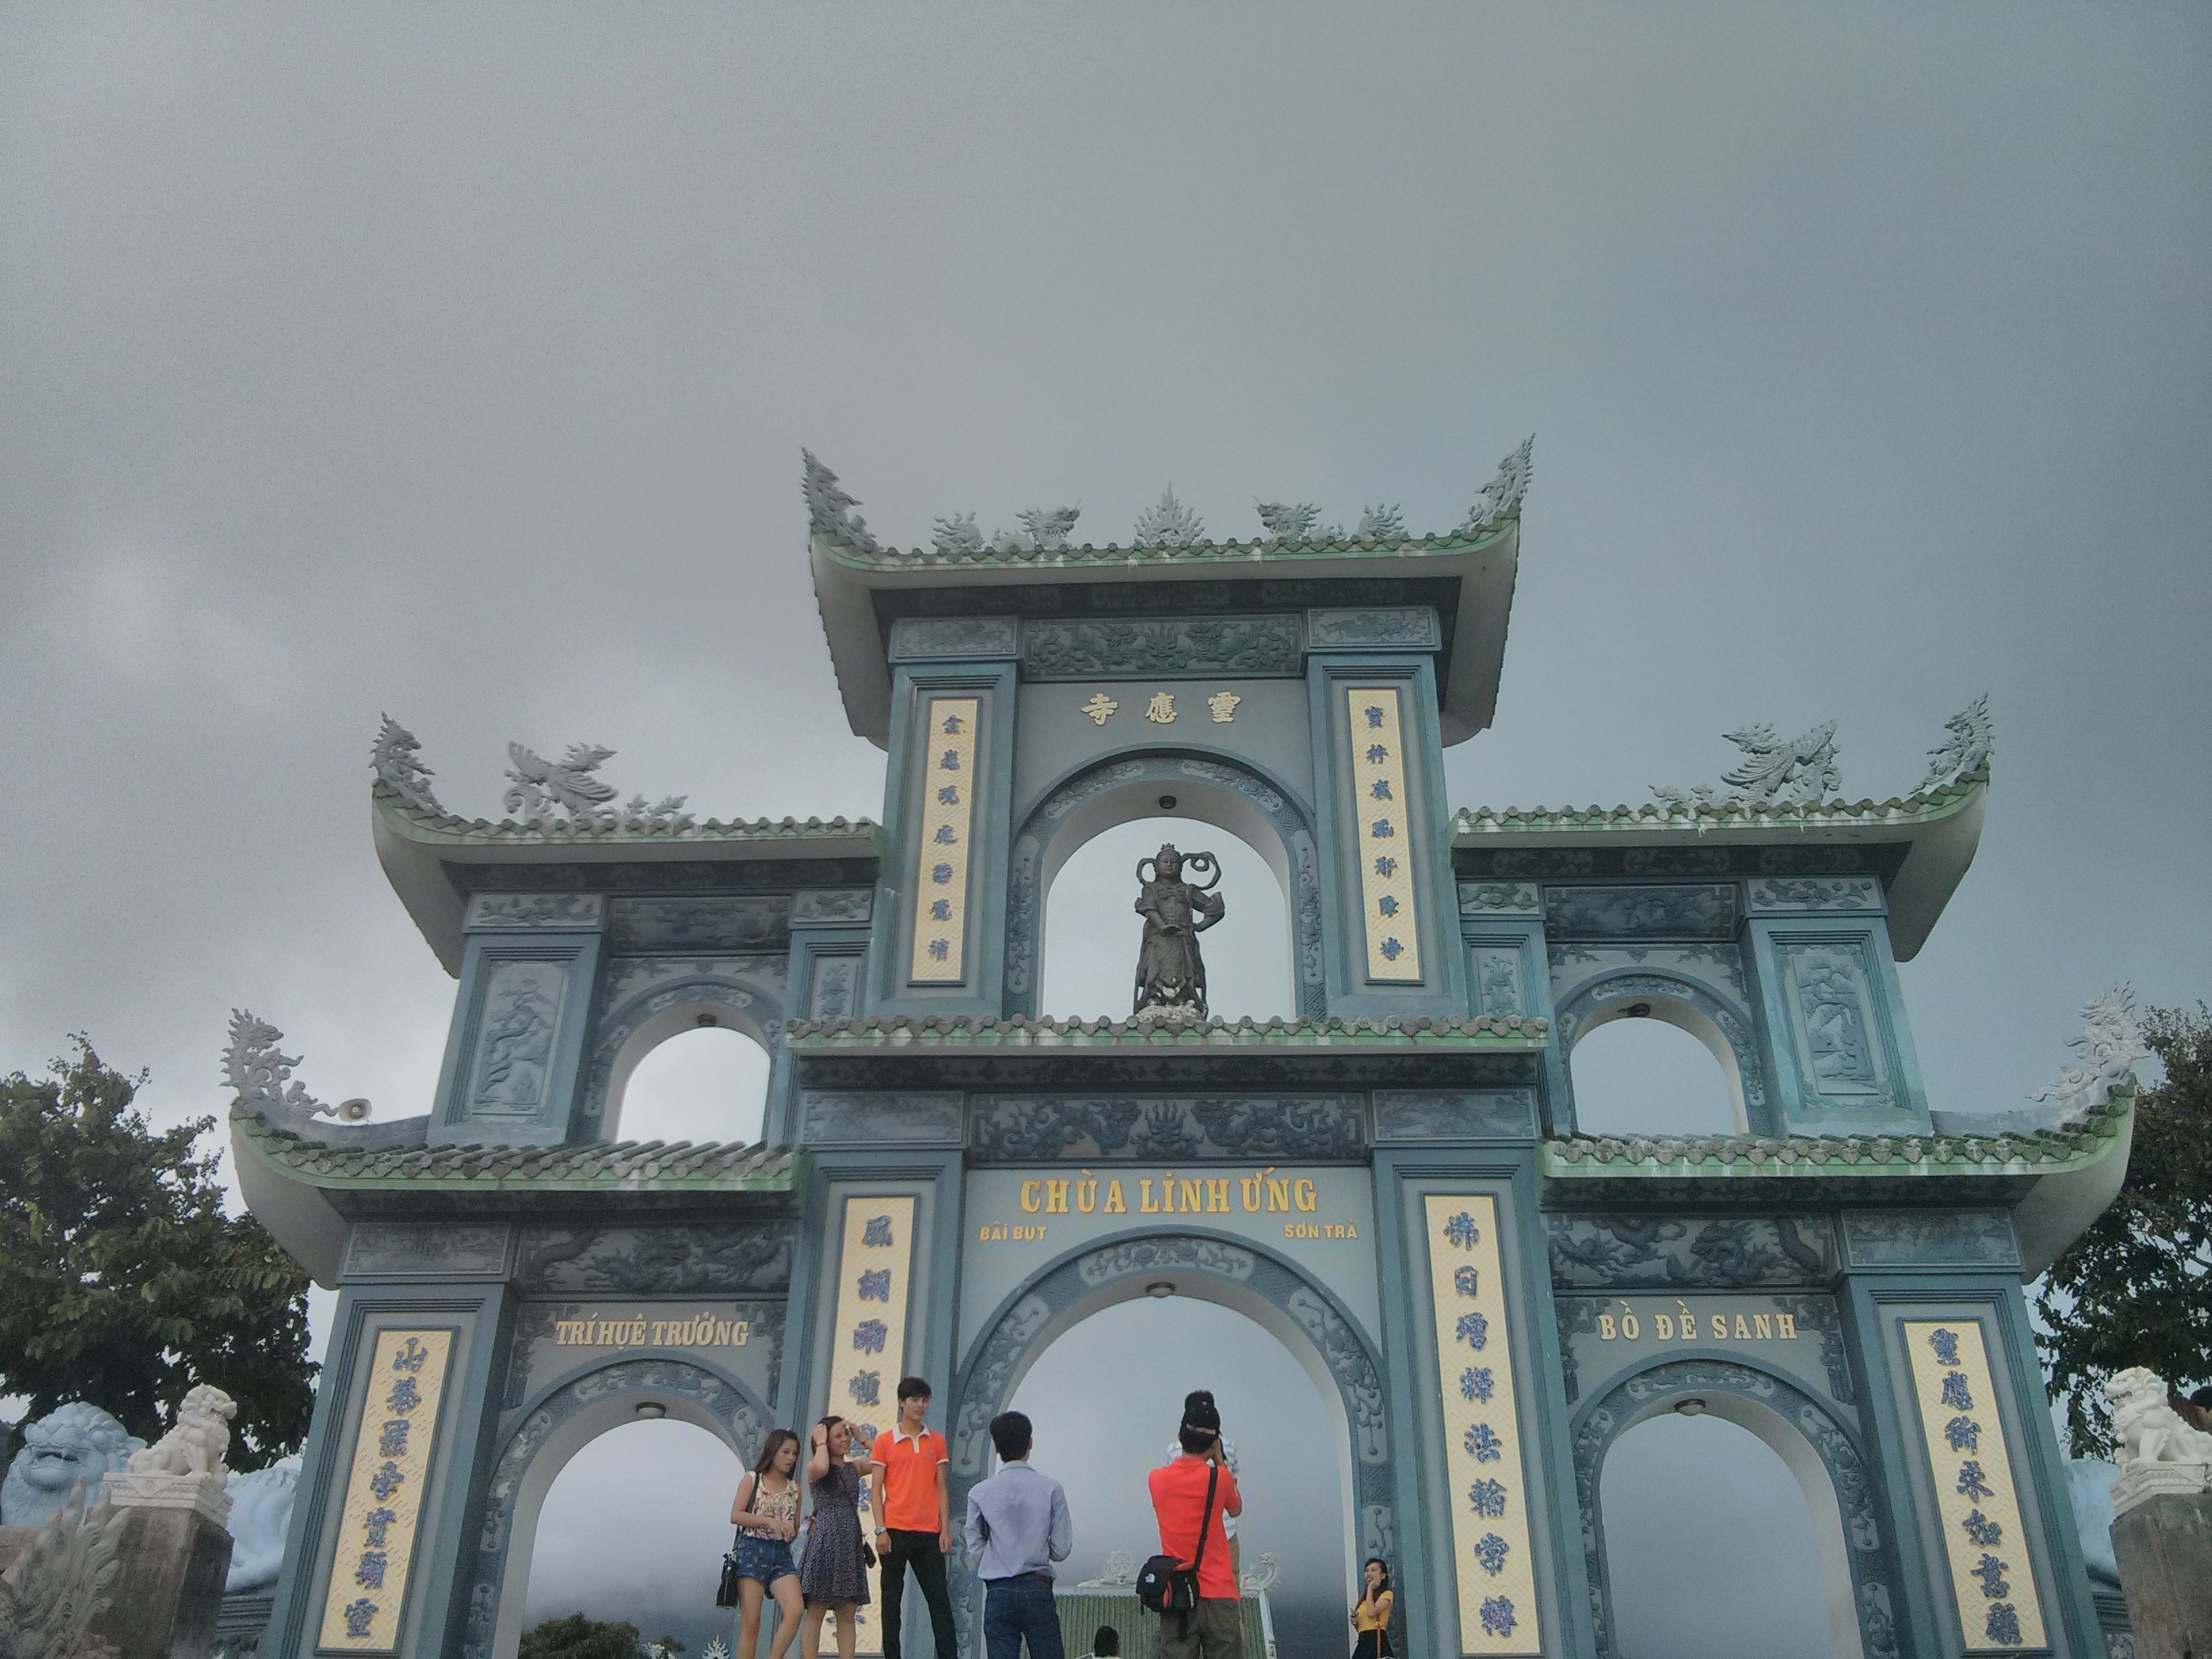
x: 122, y: 1281
x: 578, y: 1638
x: 2137, y: 1288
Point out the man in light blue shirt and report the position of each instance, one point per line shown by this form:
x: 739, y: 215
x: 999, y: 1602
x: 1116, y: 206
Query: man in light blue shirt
x: 1017, y: 1526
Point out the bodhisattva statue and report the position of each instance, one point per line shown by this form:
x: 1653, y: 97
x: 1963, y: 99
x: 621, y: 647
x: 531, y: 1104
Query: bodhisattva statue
x: 1170, y: 976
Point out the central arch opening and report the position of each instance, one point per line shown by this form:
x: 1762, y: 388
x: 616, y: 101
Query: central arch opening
x: 1713, y: 1550
x: 1101, y: 1442
x: 1093, y: 933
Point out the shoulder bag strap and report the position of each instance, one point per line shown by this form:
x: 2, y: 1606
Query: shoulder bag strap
x: 1205, y: 1516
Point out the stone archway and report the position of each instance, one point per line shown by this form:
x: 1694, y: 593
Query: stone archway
x: 1212, y: 788
x: 649, y: 1002
x: 1303, y: 1315
x: 1725, y: 1030
x: 555, y: 1429
x: 1822, y: 1453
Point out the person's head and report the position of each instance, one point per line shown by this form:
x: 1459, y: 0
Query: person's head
x: 2202, y: 1398
x: 1011, y: 1433
x: 1377, y: 1574
x: 1107, y: 1642
x: 1201, y: 1428
x: 779, y: 1453
x: 913, y: 1399
x: 1169, y: 863
x: 838, y: 1435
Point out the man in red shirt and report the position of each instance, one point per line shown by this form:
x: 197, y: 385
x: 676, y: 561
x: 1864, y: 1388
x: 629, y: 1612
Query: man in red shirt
x: 914, y: 1517
x: 1216, y: 1631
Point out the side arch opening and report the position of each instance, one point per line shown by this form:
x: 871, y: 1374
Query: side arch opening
x: 699, y: 1082
x: 1647, y: 1084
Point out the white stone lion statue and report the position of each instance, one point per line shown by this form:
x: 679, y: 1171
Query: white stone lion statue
x: 72, y: 1443
x: 196, y: 1441
x: 2145, y: 1428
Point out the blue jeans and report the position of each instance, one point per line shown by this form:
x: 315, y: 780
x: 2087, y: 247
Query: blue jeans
x: 1019, y: 1608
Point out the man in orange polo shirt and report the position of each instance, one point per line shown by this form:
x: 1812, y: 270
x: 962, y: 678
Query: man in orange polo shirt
x: 1216, y: 1630
x: 914, y: 1517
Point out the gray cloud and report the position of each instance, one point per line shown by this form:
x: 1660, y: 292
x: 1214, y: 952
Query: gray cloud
x: 457, y: 364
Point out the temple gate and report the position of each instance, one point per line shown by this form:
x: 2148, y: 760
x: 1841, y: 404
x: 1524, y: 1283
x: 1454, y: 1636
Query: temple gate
x: 1392, y: 1180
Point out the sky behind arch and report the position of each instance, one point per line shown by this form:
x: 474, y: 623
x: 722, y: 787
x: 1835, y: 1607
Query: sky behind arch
x: 456, y: 363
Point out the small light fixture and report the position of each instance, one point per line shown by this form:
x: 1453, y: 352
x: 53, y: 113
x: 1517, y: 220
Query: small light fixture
x: 1167, y: 803
x: 1636, y: 1010
x: 1690, y: 1408
x: 651, y: 1408
x: 1160, y: 1287
x: 708, y: 1020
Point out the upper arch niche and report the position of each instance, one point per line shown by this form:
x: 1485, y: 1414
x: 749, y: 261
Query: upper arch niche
x: 1253, y: 808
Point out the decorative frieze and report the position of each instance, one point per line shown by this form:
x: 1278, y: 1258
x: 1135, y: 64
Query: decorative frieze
x: 1805, y: 895
x: 489, y: 911
x: 696, y: 1260
x: 1930, y: 1238
x: 1647, y: 1252
x: 1380, y: 831
x: 523, y: 1003
x: 1977, y: 1496
x: 873, y: 1119
x: 1700, y: 912
x: 1500, y: 898
x: 729, y: 922
x: 1181, y: 647
x: 920, y: 639
x: 1412, y: 628
x: 1841, y: 1051
x: 832, y: 905
x: 425, y: 1249
x: 1028, y: 1129
x: 1415, y: 1115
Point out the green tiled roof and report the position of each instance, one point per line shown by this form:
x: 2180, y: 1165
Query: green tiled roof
x: 1246, y: 554
x: 1470, y: 827
x: 906, y: 1033
x: 607, y: 1166
x: 450, y: 830
x: 2038, y: 1152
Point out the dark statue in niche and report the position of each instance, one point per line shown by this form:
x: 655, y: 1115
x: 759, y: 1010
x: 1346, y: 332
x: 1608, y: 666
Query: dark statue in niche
x: 1170, y: 976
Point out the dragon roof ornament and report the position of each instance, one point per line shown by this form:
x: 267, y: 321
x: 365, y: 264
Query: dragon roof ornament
x: 1289, y: 523
x: 1971, y: 738
x: 2110, y: 1042
x: 1043, y: 530
x: 397, y: 758
x: 830, y: 507
x: 262, y: 1077
x: 1502, y: 497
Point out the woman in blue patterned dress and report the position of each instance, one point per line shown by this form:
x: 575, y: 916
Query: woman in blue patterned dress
x: 834, y: 1576
x: 766, y: 1515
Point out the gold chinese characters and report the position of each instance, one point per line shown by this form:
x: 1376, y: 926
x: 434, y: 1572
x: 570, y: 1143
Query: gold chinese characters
x: 1160, y: 708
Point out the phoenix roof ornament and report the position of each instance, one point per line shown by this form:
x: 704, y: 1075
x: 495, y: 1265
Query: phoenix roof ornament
x: 395, y: 757
x: 262, y: 1077
x: 539, y: 788
x: 1771, y: 773
x: 2110, y: 1042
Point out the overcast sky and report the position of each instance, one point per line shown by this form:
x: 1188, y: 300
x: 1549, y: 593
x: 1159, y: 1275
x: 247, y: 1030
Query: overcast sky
x: 455, y: 362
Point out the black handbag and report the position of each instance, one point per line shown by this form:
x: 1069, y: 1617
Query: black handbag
x: 725, y: 1592
x: 1165, y: 1584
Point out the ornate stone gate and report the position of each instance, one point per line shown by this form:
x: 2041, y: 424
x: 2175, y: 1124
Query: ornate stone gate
x: 1391, y: 1176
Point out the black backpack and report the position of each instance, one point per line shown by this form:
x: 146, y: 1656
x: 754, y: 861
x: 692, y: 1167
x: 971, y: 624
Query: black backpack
x: 1165, y: 1584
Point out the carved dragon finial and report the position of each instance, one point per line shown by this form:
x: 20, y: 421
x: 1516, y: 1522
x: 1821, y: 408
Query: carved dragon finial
x: 1502, y: 497
x: 829, y: 507
x: 2110, y: 1042
x: 1289, y: 523
x: 396, y: 757
x: 262, y: 1077
x: 1972, y: 738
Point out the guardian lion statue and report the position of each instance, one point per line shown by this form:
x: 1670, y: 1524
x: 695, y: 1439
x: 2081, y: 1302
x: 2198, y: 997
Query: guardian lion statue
x: 72, y: 1443
x: 196, y: 1441
x: 2145, y: 1428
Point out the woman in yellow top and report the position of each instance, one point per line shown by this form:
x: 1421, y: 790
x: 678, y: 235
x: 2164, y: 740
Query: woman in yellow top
x: 1371, y: 1618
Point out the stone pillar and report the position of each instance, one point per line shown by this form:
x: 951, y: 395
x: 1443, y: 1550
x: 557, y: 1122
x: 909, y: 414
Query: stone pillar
x: 2164, y: 1543
x: 173, y: 1554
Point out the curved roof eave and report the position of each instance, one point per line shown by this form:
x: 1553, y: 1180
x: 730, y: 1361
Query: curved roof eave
x: 1940, y: 830
x: 414, y: 851
x: 845, y: 578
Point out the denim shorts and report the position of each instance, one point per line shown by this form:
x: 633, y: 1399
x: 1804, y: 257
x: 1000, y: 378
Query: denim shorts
x: 765, y: 1558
